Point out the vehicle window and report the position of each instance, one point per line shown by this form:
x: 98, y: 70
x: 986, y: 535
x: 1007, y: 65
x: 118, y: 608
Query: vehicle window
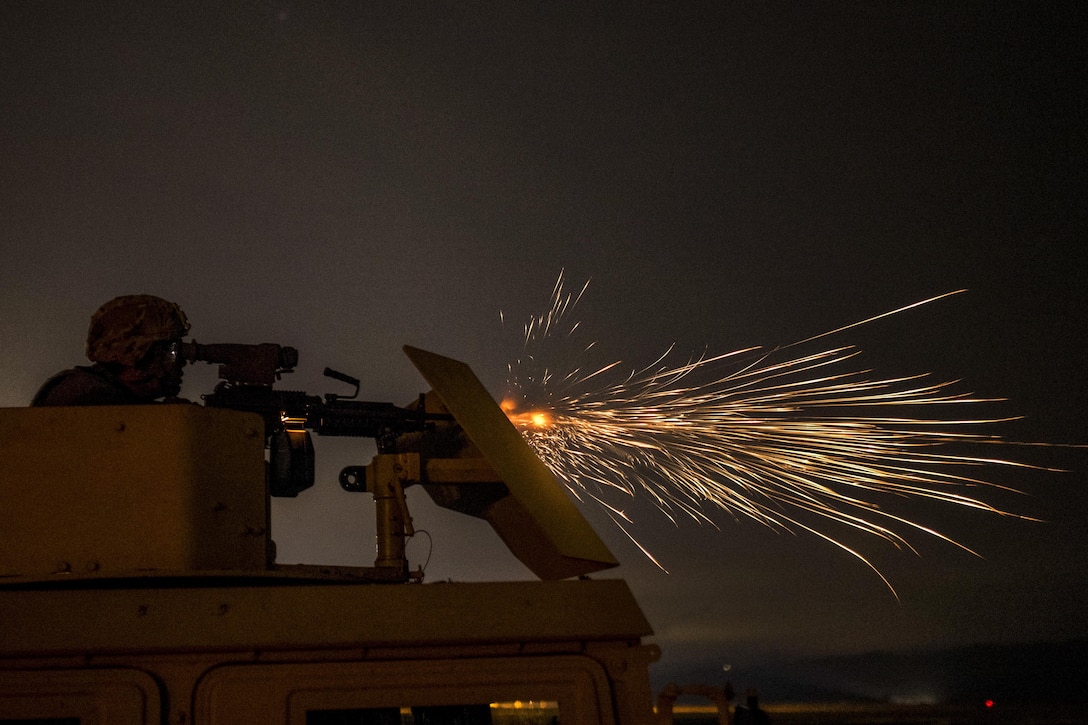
x: 433, y: 715
x: 526, y: 690
x: 496, y: 713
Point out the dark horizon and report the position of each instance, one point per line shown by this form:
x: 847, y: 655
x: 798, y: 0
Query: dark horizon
x: 1034, y: 673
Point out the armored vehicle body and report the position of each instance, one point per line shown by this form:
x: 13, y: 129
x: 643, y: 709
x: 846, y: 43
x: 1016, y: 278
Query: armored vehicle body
x: 138, y: 582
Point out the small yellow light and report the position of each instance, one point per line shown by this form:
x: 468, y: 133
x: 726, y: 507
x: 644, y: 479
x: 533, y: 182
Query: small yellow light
x: 292, y: 423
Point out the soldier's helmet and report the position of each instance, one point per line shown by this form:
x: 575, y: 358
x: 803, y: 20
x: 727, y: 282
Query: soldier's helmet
x: 124, y: 329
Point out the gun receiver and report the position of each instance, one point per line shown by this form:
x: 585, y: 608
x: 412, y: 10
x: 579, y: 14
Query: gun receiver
x: 247, y: 374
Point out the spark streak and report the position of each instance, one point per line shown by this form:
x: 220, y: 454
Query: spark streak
x: 787, y: 442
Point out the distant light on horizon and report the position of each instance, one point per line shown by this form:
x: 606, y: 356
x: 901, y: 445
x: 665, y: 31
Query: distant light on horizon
x: 915, y: 698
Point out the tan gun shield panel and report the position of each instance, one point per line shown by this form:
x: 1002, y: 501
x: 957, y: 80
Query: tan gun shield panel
x: 537, y: 521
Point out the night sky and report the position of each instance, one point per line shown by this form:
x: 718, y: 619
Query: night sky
x: 351, y: 177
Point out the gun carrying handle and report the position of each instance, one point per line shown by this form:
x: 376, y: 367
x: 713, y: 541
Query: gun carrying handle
x: 344, y: 378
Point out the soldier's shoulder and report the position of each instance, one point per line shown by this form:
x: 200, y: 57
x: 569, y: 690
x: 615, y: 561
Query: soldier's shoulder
x: 81, y: 385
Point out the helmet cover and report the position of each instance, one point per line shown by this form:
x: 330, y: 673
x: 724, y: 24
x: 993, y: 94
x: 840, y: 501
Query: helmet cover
x: 124, y: 329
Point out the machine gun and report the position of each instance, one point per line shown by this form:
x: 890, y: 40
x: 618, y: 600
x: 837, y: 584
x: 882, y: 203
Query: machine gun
x: 455, y: 442
x: 247, y: 374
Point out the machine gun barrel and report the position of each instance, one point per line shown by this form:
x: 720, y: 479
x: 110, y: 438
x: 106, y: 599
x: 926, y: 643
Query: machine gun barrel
x: 364, y: 419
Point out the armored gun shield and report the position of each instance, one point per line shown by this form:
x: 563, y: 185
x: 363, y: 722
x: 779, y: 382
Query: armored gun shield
x: 530, y: 510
